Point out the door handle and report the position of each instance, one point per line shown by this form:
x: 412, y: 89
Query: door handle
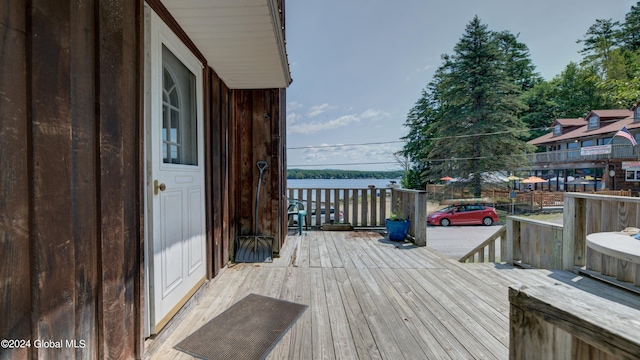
x: 156, y: 187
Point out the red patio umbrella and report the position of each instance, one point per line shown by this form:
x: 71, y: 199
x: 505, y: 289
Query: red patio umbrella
x: 446, y: 178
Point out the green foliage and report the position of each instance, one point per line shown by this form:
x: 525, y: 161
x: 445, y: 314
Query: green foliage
x: 471, y: 123
x: 396, y: 213
x: 342, y: 174
x: 488, y: 85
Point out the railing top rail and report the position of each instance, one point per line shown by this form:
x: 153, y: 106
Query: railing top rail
x: 499, y: 233
x: 534, y: 221
x: 411, y: 191
x: 336, y: 188
x: 580, y: 195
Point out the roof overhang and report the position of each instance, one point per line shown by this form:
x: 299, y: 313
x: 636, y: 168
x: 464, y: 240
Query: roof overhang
x: 242, y: 40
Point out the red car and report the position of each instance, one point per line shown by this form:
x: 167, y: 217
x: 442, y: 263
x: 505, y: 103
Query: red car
x: 463, y: 215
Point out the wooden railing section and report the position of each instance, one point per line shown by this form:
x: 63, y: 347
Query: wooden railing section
x: 486, y: 252
x: 365, y: 207
x: 585, y: 214
x: 361, y: 207
x: 413, y: 203
x: 533, y: 243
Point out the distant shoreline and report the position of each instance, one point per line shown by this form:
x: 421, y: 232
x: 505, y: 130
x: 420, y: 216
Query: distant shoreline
x: 332, y: 174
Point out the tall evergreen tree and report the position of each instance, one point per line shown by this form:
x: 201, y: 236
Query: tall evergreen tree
x: 419, y: 139
x: 630, y: 32
x: 478, y: 130
x: 598, y: 43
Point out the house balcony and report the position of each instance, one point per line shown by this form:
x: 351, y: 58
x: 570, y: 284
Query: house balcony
x: 581, y: 158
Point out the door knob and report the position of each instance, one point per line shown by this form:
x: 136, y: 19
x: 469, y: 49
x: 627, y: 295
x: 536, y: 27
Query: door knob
x: 156, y: 187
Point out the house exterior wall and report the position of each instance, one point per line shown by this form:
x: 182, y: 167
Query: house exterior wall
x: 71, y: 151
x: 70, y: 228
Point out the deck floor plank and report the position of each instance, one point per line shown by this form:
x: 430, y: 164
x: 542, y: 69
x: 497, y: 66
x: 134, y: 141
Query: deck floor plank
x: 320, y: 324
x: 369, y: 298
x: 343, y: 250
x: 343, y: 342
x: 314, y: 251
x: 445, y: 312
x: 330, y: 241
x: 419, y: 329
x: 380, y: 329
x: 363, y: 340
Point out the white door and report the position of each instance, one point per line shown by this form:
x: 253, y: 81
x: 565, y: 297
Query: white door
x: 175, y: 175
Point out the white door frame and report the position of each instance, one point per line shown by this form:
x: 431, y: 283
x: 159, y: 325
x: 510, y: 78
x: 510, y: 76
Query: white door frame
x: 157, y: 34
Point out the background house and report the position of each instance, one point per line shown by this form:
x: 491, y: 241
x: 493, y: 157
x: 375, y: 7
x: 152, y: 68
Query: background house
x: 113, y: 180
x: 588, y: 147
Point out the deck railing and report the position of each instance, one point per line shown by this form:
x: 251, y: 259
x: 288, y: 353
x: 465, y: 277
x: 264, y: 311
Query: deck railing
x: 361, y: 207
x: 539, y: 244
x: 486, y: 252
x: 364, y: 207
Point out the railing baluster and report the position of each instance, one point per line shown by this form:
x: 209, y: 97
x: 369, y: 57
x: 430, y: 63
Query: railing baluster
x: 347, y: 199
x: 374, y: 203
x: 318, y: 205
x: 327, y: 207
x: 336, y: 202
x: 364, y: 207
x: 356, y: 200
x: 383, y: 205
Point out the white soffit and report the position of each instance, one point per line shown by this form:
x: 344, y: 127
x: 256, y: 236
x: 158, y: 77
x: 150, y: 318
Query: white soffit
x: 242, y: 40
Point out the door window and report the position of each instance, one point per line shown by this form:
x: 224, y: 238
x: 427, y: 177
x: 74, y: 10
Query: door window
x: 179, y: 123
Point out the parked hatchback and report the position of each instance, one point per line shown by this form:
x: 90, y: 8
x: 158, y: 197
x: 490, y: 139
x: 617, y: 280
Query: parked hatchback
x: 463, y: 215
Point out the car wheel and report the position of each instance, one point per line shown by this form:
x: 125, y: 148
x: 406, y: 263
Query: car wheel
x: 445, y: 222
x: 487, y: 221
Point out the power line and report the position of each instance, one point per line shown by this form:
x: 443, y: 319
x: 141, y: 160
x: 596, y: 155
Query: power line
x: 344, y: 145
x: 403, y: 141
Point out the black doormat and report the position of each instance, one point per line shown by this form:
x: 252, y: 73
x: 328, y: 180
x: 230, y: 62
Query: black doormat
x: 249, y: 329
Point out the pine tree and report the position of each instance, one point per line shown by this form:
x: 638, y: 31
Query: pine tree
x: 630, y: 32
x: 478, y: 130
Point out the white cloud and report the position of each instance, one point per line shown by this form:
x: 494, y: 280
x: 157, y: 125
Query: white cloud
x: 424, y: 68
x: 350, y: 154
x: 374, y: 114
x: 315, y: 126
x: 292, y: 118
x: 319, y: 109
x: 294, y: 105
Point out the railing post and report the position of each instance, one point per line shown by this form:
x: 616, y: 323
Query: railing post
x: 421, y: 218
x: 506, y: 246
x: 571, y: 230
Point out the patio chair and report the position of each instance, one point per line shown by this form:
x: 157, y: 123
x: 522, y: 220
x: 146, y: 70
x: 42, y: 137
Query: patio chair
x: 296, y: 208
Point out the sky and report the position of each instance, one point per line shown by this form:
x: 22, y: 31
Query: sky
x: 359, y: 66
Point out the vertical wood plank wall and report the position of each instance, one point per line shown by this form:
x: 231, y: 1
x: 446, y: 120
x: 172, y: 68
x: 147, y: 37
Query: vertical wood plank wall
x: 70, y: 210
x: 258, y: 135
x: 15, y: 267
x: 71, y: 185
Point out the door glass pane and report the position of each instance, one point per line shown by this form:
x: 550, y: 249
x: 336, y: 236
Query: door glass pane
x: 179, y: 123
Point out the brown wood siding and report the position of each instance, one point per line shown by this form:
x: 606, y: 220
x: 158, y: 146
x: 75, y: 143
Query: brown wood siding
x: 15, y: 284
x: 72, y: 210
x: 70, y: 228
x: 225, y: 169
x: 119, y: 180
x: 258, y: 136
x: 219, y: 118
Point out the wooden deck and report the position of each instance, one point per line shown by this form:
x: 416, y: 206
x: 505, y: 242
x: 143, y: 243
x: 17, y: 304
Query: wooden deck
x: 369, y: 299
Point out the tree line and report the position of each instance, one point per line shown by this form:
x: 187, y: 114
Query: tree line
x: 486, y: 99
x: 342, y: 174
